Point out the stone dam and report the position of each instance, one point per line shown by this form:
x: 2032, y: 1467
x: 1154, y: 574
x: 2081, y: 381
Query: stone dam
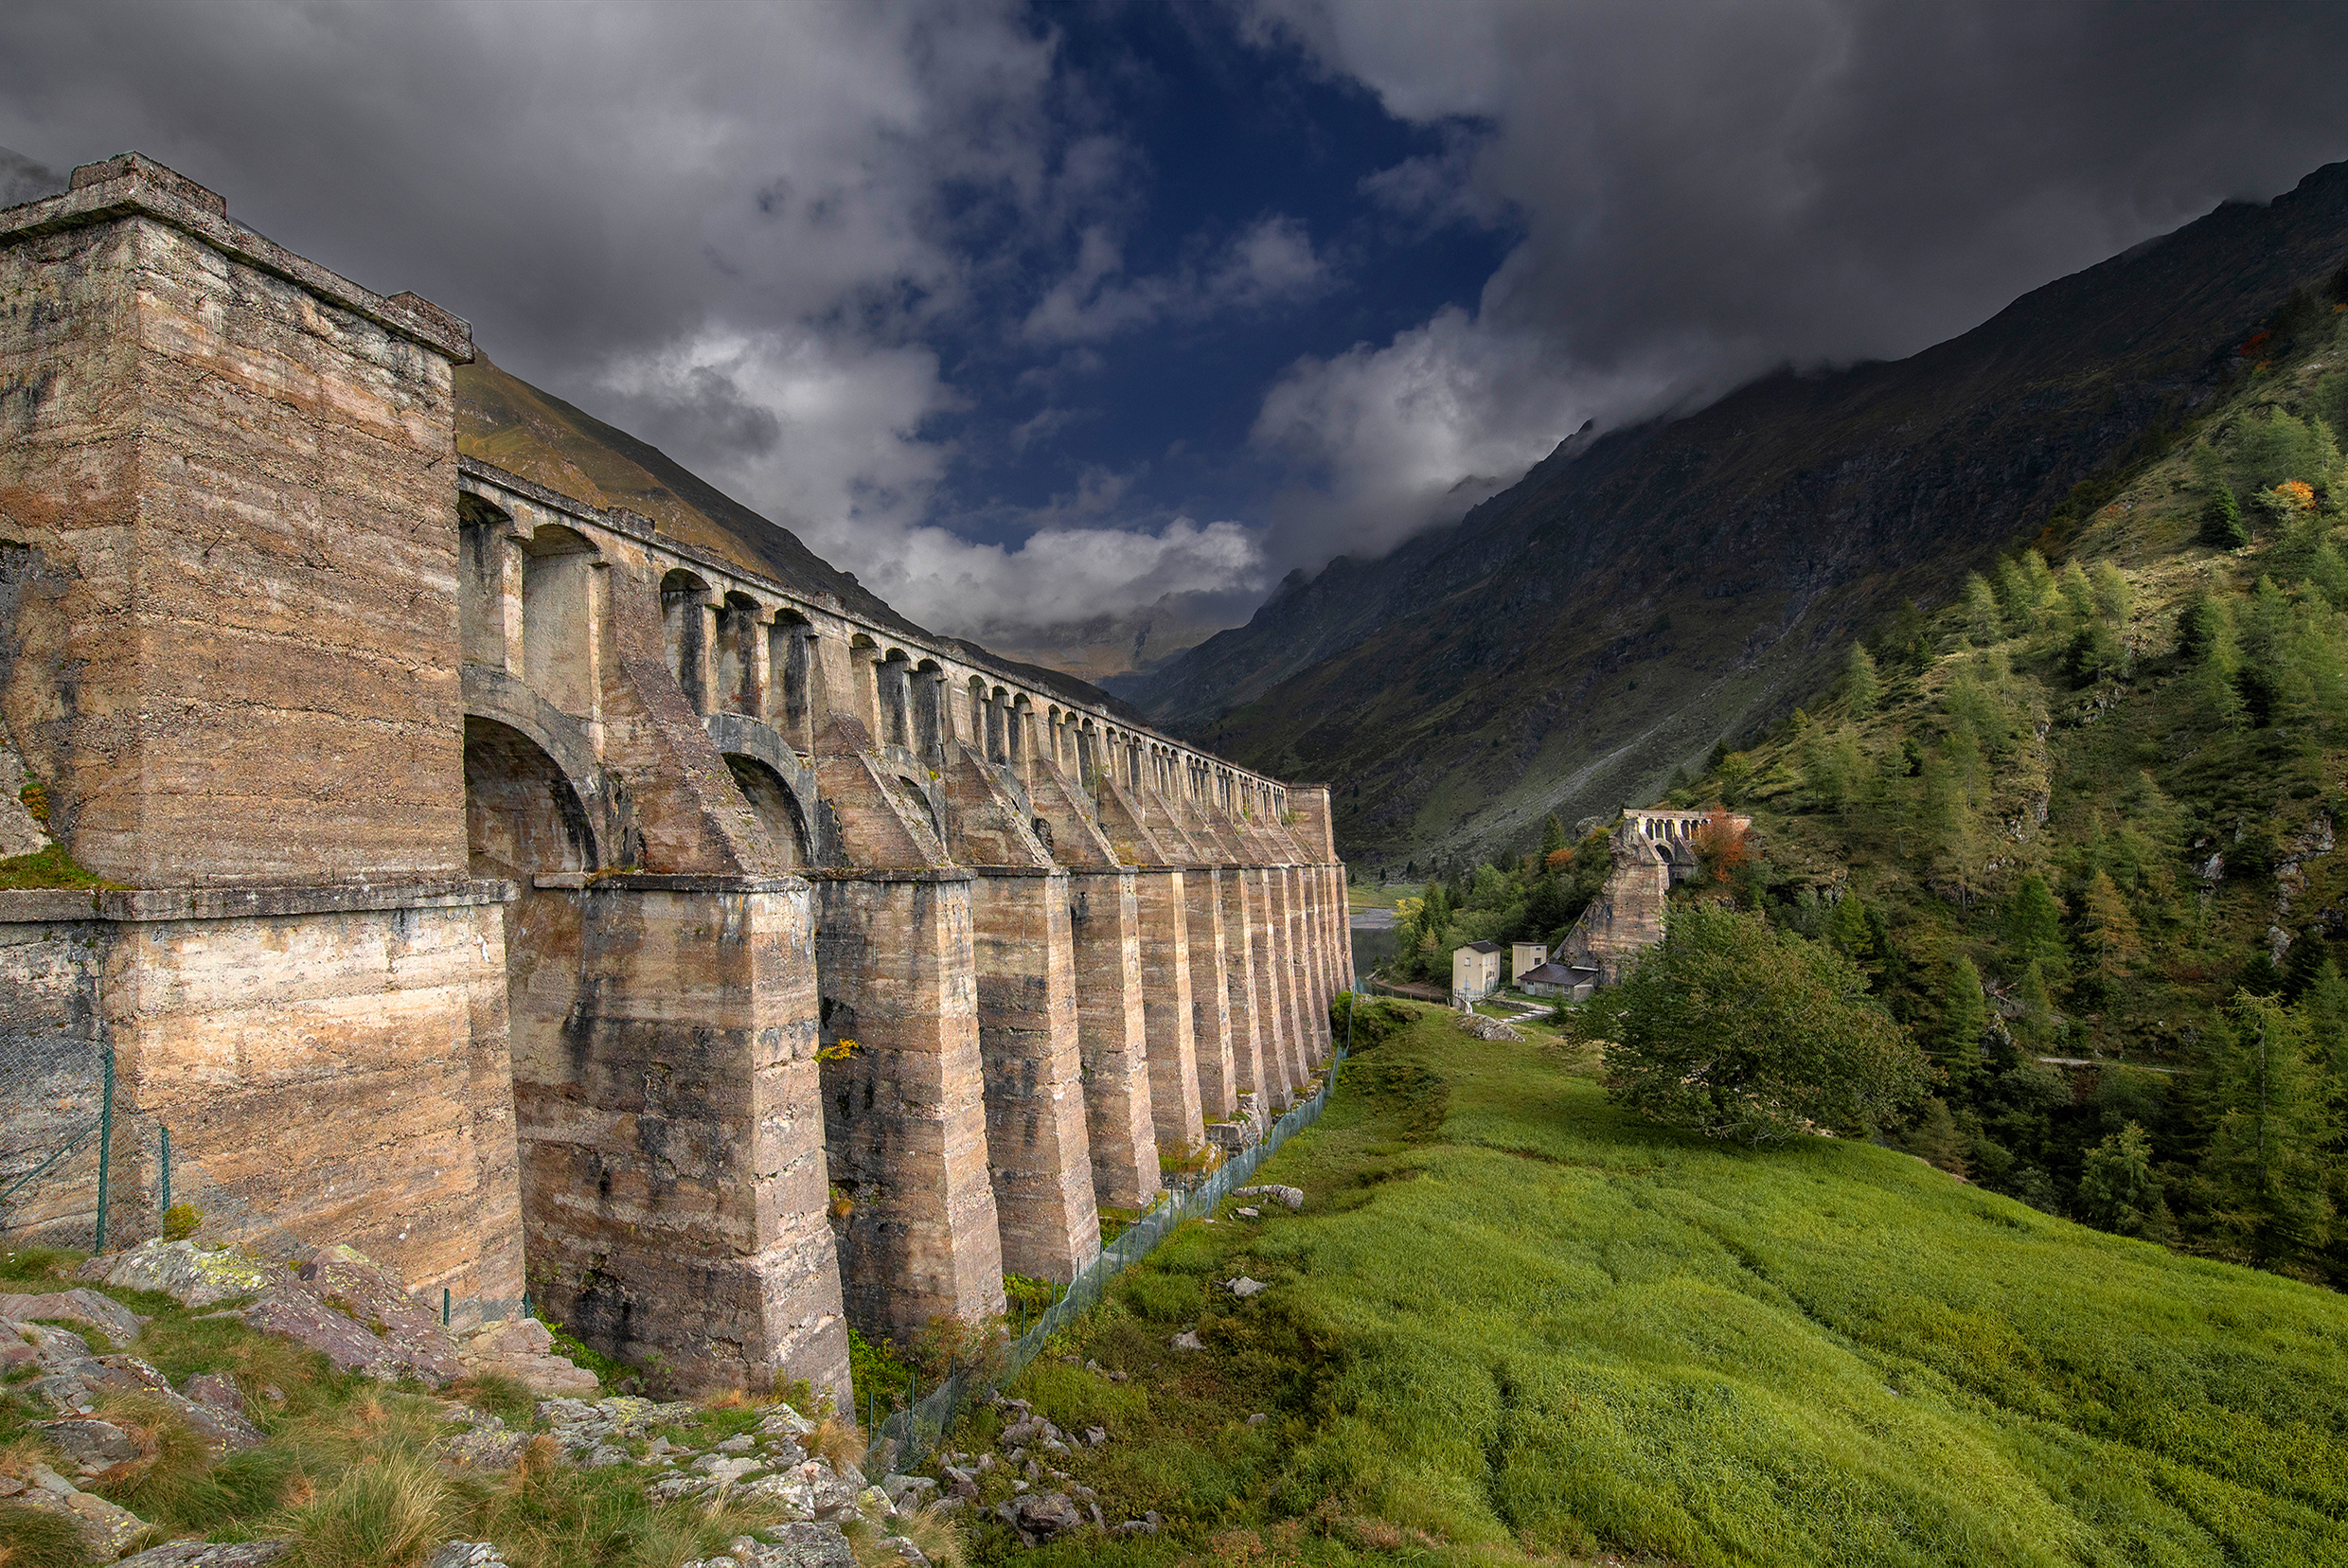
x: 535, y: 902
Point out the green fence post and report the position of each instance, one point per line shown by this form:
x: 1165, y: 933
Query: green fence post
x: 105, y: 1145
x: 444, y: 1306
x: 163, y: 1135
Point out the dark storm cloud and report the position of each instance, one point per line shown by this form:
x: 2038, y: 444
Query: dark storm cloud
x: 769, y: 236
x: 731, y: 226
x: 23, y: 180
x: 1705, y: 191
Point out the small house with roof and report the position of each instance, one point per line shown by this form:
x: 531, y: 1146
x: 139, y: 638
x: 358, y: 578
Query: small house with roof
x: 1566, y: 982
x: 1475, y: 970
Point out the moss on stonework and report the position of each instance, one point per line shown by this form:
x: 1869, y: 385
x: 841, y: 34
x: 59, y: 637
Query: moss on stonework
x: 46, y: 867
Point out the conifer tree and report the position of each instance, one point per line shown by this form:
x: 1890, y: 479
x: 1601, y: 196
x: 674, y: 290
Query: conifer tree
x: 2113, y: 941
x: 2262, y: 1176
x: 2205, y: 632
x: 2324, y: 1007
x: 2078, y: 597
x: 1848, y: 930
x: 1934, y: 1139
x: 1964, y: 1019
x: 2119, y: 1190
x: 2034, y: 928
x: 2037, y: 1006
x: 2221, y: 521
x: 2112, y: 600
x: 1553, y: 837
x: 1983, y: 622
x: 1861, y: 687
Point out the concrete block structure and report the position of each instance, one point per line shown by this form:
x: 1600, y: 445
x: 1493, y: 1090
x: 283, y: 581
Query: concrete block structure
x: 1649, y: 850
x: 1475, y: 970
x: 536, y: 901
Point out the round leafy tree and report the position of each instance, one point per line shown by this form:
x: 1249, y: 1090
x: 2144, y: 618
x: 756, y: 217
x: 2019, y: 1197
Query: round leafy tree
x: 1736, y: 1030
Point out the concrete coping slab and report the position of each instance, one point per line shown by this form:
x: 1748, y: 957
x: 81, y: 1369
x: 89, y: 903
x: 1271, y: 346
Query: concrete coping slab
x: 928, y: 874
x: 137, y: 905
x: 687, y: 882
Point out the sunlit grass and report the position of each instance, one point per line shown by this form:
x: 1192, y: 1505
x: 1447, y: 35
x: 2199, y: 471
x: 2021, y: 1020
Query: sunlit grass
x: 1514, y: 1319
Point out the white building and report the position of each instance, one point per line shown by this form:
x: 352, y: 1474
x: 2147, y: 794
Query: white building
x: 1475, y: 971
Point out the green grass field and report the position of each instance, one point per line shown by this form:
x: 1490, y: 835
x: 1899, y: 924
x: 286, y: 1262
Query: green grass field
x: 1512, y: 1321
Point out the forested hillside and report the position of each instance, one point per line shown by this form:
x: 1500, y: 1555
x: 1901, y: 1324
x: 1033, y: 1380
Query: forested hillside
x: 1644, y: 591
x: 2081, y: 829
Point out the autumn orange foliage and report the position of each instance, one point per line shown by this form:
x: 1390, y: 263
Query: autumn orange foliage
x: 1720, y: 844
x: 2300, y: 494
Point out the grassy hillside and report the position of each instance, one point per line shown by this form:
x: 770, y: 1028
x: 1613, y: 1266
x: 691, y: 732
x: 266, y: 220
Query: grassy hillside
x: 1644, y: 591
x: 2080, y: 828
x: 2108, y: 785
x: 1514, y: 1324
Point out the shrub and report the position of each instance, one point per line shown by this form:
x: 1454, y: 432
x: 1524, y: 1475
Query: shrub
x: 1376, y: 1022
x: 2221, y: 521
x: 1735, y: 1030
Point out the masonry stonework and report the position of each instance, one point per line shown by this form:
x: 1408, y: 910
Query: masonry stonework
x: 538, y: 902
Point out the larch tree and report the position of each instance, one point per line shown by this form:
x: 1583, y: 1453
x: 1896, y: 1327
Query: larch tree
x: 1861, y: 686
x: 2119, y: 1189
x: 2113, y: 941
x: 2262, y: 1178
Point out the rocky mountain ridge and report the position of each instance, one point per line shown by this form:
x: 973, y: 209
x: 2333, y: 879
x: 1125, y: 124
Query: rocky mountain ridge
x: 1646, y: 593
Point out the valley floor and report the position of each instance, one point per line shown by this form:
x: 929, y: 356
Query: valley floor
x: 1511, y: 1323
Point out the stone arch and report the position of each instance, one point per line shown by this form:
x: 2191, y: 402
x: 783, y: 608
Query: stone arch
x: 684, y: 623
x: 800, y: 825
x: 777, y: 805
x: 495, y: 697
x: 524, y: 817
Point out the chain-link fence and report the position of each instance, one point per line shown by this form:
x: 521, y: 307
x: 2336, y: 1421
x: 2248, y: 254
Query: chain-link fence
x: 906, y: 1438
x: 55, y: 1099
x: 79, y: 1168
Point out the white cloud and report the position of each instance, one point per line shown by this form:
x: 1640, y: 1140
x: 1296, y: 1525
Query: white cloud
x: 1271, y: 262
x: 1061, y: 573
x: 1699, y: 192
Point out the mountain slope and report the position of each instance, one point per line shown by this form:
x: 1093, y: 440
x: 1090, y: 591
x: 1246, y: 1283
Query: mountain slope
x: 1640, y: 596
x: 502, y: 418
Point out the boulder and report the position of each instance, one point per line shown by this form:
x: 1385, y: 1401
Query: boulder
x: 336, y: 1301
x: 523, y: 1349
x: 465, y: 1554
x: 1040, y: 1516
x: 208, y: 1554
x: 214, y: 1390
x: 95, y: 1451
x: 811, y: 1491
x: 106, y: 1529
x: 1243, y: 1286
x: 907, y: 1493
x: 1188, y: 1340
x: 108, y: 1317
x: 487, y: 1443
x: 812, y: 1544
x: 1292, y: 1197
x: 191, y: 1274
